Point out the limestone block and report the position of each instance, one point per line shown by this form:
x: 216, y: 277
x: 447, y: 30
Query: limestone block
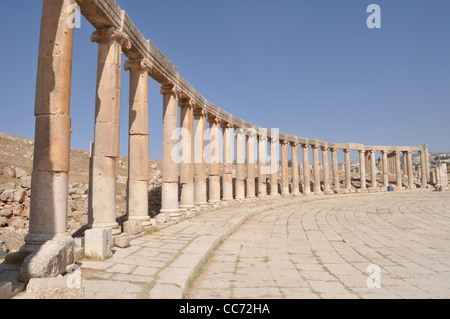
x: 122, y: 242
x: 62, y: 287
x: 50, y: 260
x: 25, y: 182
x: 97, y: 243
x: 19, y: 195
x: 132, y: 227
x: 5, y: 290
x: 162, y: 218
x: 7, y: 195
x: 138, y: 157
x: 19, y: 172
x: 107, y: 139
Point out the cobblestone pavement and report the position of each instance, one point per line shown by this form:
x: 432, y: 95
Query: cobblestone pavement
x: 306, y: 247
x: 323, y: 248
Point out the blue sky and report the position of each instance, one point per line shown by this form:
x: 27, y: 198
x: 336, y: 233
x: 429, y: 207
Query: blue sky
x: 311, y: 68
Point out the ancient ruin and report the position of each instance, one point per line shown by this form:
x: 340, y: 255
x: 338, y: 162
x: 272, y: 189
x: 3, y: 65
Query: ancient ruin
x: 191, y: 181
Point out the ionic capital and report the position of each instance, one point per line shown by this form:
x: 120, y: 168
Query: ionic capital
x: 324, y: 148
x: 251, y: 132
x: 239, y: 131
x: 137, y: 64
x: 168, y: 89
x: 111, y: 34
x: 185, y: 102
x: 199, y: 111
x: 283, y: 142
x: 213, y: 119
x: 293, y: 144
x: 225, y: 124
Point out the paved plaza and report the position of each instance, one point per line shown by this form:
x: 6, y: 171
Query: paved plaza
x: 307, y: 247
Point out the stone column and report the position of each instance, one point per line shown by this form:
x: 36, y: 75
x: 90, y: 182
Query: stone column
x: 405, y: 163
x: 295, y: 174
x: 49, y: 190
x: 373, y: 170
x: 423, y: 168
x: 316, y: 169
x: 187, y: 197
x: 214, y: 161
x: 362, y: 168
x: 398, y: 170
x: 306, y: 170
x: 107, y: 127
x: 284, y: 169
x: 138, y: 142
x: 227, y: 175
x: 335, y: 166
x: 273, y: 167
x: 385, y: 170
x: 262, y: 166
x: 200, y: 194
x: 427, y: 161
x: 326, y: 172
x: 169, y: 190
x: 409, y: 170
x: 240, y: 164
x: 368, y: 165
x: 348, y: 175
x: 251, y: 164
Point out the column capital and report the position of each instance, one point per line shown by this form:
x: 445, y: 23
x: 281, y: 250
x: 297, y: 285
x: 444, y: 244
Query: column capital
x: 225, y: 124
x: 283, y: 142
x: 168, y: 89
x: 324, y: 148
x: 199, y: 111
x: 138, y: 64
x: 239, y: 130
x: 111, y: 34
x: 346, y: 150
x: 185, y: 102
x: 294, y: 144
x: 250, y: 132
x: 362, y: 151
x: 305, y: 145
x: 314, y: 146
x: 212, y: 119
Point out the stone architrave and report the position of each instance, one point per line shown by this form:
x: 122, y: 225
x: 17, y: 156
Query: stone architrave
x: 102, y: 210
x: 170, y: 208
x: 200, y: 189
x: 138, y: 142
x: 49, y: 185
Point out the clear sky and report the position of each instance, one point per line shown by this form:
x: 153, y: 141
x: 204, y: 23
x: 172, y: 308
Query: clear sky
x: 311, y: 68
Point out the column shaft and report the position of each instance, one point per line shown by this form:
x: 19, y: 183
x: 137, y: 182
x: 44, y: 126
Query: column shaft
x: 373, y: 170
x: 240, y: 164
x: 187, y: 197
x: 284, y: 169
x: 227, y: 176
x: 273, y: 167
x: 410, y: 170
x: 423, y: 169
x: 49, y: 190
x: 138, y: 142
x: 262, y: 166
x: 170, y: 208
x: 398, y: 170
x: 348, y: 174
x: 200, y: 194
x: 214, y: 161
x: 326, y: 171
x: 334, y: 159
x: 362, y: 168
x: 251, y: 165
x: 385, y: 170
x: 295, y: 174
x: 316, y: 169
x: 306, y: 170
x: 102, y: 213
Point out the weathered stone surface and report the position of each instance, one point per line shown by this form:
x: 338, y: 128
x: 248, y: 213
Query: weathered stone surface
x: 5, y: 290
x: 97, y: 243
x: 132, y: 227
x: 19, y: 172
x: 8, y: 172
x: 122, y: 242
x: 6, y: 212
x: 19, y: 195
x: 25, y: 182
x: 7, y: 195
x: 62, y: 287
x: 50, y: 260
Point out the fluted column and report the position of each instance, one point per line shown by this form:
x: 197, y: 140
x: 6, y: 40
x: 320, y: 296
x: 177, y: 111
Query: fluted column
x: 362, y: 168
x: 214, y: 161
x: 373, y: 170
x: 316, y: 169
x: 187, y: 197
x: 250, y: 181
x: 169, y: 191
x: 107, y: 127
x: 335, y: 166
x: 398, y: 170
x: 200, y: 194
x: 262, y: 166
x: 273, y: 167
x: 326, y: 171
x: 385, y: 170
x: 409, y: 170
x: 423, y: 169
x: 240, y: 164
x: 138, y: 142
x: 306, y: 170
x: 49, y: 190
x: 227, y: 175
x: 295, y: 174
x: 348, y: 175
x: 284, y: 169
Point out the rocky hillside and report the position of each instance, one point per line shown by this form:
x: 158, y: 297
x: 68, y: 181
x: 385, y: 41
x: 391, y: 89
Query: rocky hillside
x: 16, y: 165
